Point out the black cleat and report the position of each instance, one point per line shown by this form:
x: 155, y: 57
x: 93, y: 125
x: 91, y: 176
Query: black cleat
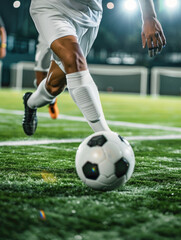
x: 30, y: 119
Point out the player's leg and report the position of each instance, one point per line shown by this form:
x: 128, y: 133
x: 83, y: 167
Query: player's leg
x: 86, y: 43
x: 42, y: 60
x: 39, y: 76
x: 42, y: 97
x: 49, y: 88
x: 53, y: 106
x: 42, y: 64
x: 62, y: 36
x: 79, y: 81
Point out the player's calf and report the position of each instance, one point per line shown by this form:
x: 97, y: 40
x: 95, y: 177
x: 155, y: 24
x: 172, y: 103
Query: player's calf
x: 85, y: 94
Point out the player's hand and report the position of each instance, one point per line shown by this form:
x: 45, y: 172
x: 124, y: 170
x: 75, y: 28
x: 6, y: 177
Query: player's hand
x: 2, y: 52
x: 153, y: 36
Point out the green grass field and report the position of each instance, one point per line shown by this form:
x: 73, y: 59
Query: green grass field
x: 36, y: 177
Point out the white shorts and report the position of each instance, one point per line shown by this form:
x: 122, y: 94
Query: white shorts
x: 52, y: 24
x: 42, y: 56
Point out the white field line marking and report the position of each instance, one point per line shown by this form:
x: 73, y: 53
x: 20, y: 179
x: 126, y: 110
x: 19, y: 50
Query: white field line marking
x: 113, y: 123
x: 39, y: 142
x: 78, y: 140
x: 153, y: 138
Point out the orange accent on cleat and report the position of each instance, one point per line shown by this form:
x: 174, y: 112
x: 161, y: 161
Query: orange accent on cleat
x: 53, y: 110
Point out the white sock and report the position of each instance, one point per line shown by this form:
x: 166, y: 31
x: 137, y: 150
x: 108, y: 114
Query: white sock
x: 35, y: 85
x: 53, y: 101
x: 85, y: 94
x: 40, y: 97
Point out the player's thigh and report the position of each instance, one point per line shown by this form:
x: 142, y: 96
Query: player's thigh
x: 74, y: 49
x: 68, y: 50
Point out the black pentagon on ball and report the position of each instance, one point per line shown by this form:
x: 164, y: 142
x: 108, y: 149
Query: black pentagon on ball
x: 99, y: 140
x: 121, y: 167
x: 91, y: 171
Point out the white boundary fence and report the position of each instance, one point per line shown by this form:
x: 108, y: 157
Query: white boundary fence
x: 19, y: 67
x: 105, y: 70
x: 164, y: 71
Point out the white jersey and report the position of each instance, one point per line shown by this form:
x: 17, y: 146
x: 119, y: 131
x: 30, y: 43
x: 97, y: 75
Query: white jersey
x: 93, y: 4
x: 87, y: 13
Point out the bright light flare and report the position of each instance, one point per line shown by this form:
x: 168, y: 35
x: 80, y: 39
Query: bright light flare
x: 130, y: 5
x: 110, y: 5
x: 16, y: 4
x: 171, y: 4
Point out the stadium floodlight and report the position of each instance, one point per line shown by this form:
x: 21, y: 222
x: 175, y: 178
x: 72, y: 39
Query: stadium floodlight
x: 110, y: 5
x: 171, y: 4
x: 130, y: 5
x: 16, y: 4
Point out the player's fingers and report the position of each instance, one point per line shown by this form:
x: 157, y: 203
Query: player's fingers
x: 150, y: 47
x: 154, y: 40
x: 149, y: 42
x: 155, y: 43
x: 160, y: 44
x: 163, y: 38
x: 161, y: 33
x: 143, y: 40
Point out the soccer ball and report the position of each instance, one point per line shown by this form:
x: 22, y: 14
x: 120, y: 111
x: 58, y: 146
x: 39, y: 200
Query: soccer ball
x: 105, y: 161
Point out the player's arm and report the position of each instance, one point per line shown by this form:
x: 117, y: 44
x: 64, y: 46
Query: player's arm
x: 3, y: 42
x: 152, y: 32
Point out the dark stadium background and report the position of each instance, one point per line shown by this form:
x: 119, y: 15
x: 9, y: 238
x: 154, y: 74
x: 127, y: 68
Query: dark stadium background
x: 119, y: 35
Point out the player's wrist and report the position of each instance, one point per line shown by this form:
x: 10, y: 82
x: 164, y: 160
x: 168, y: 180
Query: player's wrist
x: 3, y: 45
x: 149, y: 18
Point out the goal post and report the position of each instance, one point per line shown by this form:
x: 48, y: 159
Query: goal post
x: 17, y: 74
x: 157, y: 72
x: 112, y: 70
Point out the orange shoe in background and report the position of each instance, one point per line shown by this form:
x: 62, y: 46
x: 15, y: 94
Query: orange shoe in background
x: 53, y: 110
